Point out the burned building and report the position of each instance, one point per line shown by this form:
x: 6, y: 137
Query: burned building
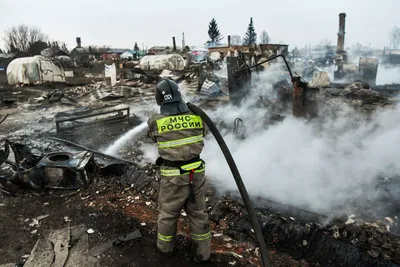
x: 268, y: 49
x: 80, y: 55
x: 367, y: 68
x: 158, y: 49
x: 391, y: 57
x: 341, y: 54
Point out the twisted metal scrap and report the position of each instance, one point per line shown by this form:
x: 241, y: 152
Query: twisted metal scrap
x: 5, y: 117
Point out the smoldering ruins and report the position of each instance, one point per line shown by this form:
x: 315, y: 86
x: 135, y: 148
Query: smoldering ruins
x: 315, y: 143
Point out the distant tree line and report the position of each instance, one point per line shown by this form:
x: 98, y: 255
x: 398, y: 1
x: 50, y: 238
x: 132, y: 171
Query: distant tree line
x: 24, y: 40
x: 30, y: 40
x: 394, y: 37
x: 250, y: 37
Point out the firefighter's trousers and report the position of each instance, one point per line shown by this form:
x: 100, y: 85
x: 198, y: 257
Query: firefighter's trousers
x: 173, y: 197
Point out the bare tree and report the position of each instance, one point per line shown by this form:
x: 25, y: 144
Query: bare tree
x: 37, y: 47
x: 98, y: 50
x: 356, y: 48
x: 64, y: 47
x: 394, y: 37
x: 325, y: 43
x: 264, y: 37
x: 295, y: 53
x: 59, y: 46
x: 21, y: 37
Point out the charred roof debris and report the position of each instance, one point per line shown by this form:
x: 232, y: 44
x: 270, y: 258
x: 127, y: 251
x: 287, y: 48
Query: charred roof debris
x: 59, y: 114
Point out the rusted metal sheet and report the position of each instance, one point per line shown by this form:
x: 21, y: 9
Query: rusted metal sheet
x: 116, y: 115
x: 298, y: 98
x: 65, y: 170
x: 304, y: 102
x: 238, y: 82
x: 368, y: 70
x: 96, y: 251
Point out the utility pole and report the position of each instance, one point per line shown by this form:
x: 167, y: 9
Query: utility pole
x: 173, y: 44
x: 183, y: 41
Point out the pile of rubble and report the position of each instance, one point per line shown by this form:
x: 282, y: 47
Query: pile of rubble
x: 208, y: 87
x: 351, y: 242
x: 358, y: 96
x: 356, y: 100
x: 86, y: 95
x: 347, y: 243
x: 57, y: 170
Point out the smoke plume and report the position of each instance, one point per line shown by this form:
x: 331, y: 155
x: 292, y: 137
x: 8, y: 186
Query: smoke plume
x: 388, y: 75
x: 316, y: 165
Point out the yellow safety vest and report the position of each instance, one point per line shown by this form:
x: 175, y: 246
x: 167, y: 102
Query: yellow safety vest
x: 179, y: 123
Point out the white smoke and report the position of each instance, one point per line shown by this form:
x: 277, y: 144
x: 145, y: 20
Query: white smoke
x: 315, y: 165
x: 150, y: 153
x: 388, y: 75
x: 223, y: 72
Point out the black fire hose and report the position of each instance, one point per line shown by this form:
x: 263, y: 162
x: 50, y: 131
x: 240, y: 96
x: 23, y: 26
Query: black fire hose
x: 238, y: 180
x: 267, y: 60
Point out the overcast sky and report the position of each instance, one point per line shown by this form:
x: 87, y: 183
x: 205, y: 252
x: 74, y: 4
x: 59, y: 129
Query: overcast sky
x: 119, y: 23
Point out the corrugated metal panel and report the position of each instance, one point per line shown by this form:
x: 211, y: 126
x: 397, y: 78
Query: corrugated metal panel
x: 366, y: 60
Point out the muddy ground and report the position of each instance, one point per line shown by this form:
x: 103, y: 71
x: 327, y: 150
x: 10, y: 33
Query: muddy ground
x: 100, y: 212
x: 110, y: 207
x: 113, y: 206
x: 107, y: 222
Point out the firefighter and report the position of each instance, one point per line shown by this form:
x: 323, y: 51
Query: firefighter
x: 179, y: 136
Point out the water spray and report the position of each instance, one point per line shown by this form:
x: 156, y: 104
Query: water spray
x: 113, y: 148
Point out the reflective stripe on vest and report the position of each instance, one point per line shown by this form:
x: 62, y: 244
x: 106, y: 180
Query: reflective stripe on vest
x: 177, y: 172
x: 180, y: 142
x: 191, y: 166
x: 180, y: 122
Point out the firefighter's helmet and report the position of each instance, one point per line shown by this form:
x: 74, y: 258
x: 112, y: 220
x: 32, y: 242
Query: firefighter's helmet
x: 169, y: 98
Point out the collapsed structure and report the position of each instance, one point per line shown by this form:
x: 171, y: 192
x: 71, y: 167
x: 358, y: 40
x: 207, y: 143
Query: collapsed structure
x: 93, y: 115
x: 367, y: 68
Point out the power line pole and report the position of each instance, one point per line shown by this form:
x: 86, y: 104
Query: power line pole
x: 183, y: 41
